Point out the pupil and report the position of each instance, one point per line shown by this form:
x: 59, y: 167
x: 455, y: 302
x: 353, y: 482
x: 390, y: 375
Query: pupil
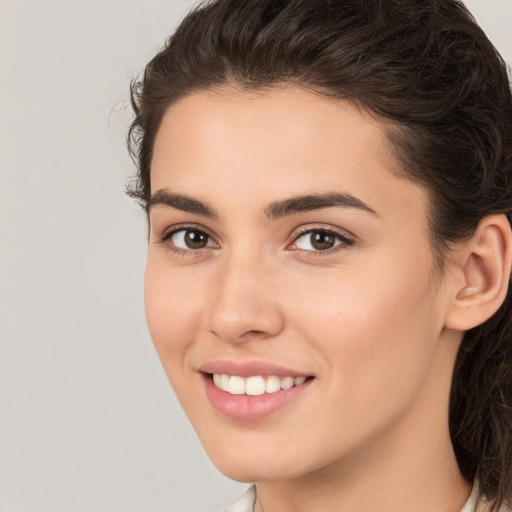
x: 196, y: 239
x: 322, y: 241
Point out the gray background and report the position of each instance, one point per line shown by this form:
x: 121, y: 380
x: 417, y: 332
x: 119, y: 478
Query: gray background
x: 88, y: 421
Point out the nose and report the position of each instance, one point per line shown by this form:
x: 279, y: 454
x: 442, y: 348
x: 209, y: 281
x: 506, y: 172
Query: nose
x: 244, y: 302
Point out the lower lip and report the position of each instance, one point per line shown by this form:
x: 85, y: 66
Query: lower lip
x: 250, y: 408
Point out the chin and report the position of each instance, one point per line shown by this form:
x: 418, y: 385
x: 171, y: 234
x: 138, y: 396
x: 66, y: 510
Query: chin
x: 247, y: 472
x: 244, y: 464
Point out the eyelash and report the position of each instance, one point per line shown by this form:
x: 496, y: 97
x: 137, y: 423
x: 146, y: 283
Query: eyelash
x: 345, y: 240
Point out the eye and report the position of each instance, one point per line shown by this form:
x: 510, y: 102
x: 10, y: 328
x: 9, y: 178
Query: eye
x: 188, y: 239
x: 320, y: 240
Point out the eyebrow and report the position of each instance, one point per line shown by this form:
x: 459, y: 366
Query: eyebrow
x: 310, y: 202
x: 181, y: 202
x: 273, y: 211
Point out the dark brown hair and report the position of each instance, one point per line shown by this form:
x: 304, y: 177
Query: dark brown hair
x: 429, y: 71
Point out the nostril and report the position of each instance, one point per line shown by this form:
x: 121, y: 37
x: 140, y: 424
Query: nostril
x: 244, y: 336
x: 253, y: 332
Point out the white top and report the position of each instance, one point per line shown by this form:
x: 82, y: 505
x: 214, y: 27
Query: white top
x: 248, y: 500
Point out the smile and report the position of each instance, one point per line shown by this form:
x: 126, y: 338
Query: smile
x: 254, y: 397
x: 255, y: 385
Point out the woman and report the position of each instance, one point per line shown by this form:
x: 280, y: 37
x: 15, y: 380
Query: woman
x: 328, y: 188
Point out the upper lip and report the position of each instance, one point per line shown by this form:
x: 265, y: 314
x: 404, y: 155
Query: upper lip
x: 249, y: 368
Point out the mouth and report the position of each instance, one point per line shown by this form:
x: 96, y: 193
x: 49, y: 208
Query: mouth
x: 254, y: 397
x: 255, y: 385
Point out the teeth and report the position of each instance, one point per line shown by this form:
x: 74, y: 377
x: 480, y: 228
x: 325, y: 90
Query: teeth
x: 224, y: 382
x: 287, y: 383
x: 236, y: 385
x: 273, y: 384
x: 256, y: 385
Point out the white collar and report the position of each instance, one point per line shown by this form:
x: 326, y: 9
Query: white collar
x: 246, y: 502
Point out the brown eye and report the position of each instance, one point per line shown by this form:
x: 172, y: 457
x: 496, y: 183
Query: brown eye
x: 190, y: 239
x: 320, y: 240
x: 196, y: 239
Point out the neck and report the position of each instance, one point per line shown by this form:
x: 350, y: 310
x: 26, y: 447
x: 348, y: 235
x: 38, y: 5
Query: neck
x: 381, y: 483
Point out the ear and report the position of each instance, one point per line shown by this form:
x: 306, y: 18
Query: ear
x: 481, y: 274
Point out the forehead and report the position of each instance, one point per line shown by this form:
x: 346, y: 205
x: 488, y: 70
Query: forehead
x: 275, y: 143
x: 287, y: 111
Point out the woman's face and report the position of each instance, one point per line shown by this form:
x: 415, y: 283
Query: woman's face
x: 284, y: 252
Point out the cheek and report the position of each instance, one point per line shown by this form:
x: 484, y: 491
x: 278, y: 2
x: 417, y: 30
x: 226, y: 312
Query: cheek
x: 172, y: 312
x: 376, y: 330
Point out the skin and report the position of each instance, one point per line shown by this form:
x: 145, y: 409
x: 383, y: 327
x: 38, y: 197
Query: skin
x: 369, y: 319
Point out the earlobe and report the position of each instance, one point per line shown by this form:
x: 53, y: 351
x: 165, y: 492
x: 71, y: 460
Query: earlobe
x: 484, y: 269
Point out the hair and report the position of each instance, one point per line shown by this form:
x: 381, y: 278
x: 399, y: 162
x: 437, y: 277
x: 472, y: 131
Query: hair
x: 428, y: 71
